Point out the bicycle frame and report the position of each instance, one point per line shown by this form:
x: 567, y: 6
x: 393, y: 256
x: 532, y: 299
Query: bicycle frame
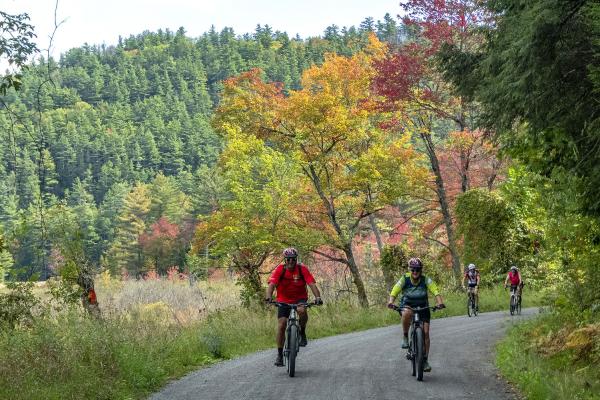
x: 471, y: 302
x: 515, y: 300
x: 291, y: 345
x: 415, y: 354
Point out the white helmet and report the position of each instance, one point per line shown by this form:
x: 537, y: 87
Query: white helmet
x: 471, y: 267
x: 514, y: 268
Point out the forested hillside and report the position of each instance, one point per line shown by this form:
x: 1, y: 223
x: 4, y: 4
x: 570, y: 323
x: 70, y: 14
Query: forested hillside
x: 117, y: 140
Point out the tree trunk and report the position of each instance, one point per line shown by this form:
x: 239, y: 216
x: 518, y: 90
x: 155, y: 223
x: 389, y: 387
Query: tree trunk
x: 387, y: 274
x: 329, y: 205
x: 358, y: 282
x: 375, y: 229
x: 443, y: 200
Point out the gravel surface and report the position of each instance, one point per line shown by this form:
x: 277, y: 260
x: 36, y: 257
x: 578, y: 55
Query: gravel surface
x: 365, y: 365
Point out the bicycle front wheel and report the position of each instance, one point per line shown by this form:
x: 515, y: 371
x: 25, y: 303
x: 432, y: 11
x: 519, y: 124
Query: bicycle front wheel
x: 420, y: 354
x: 412, y: 350
x: 512, y: 305
x: 292, y: 342
x: 469, y: 303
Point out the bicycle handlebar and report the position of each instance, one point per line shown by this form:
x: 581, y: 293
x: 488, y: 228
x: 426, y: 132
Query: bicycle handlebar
x: 279, y: 304
x: 433, y: 308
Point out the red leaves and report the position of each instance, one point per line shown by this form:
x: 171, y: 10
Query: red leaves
x: 398, y: 73
x: 160, y: 230
x: 445, y: 21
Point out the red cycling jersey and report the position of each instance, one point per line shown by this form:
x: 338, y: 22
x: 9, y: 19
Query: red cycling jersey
x: 514, y: 278
x: 291, y: 288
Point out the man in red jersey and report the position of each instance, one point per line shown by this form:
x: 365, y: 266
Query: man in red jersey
x: 290, y: 279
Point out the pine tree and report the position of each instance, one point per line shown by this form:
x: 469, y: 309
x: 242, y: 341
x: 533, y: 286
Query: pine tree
x: 126, y: 253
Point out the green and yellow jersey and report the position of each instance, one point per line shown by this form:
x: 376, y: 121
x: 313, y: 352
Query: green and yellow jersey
x: 415, y: 293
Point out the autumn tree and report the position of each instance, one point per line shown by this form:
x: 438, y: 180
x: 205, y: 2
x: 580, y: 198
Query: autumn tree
x: 332, y: 128
x: 255, y: 220
x: 410, y: 81
x: 160, y: 244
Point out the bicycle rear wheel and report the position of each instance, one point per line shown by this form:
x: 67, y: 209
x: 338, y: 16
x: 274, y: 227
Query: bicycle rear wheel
x: 292, y: 342
x: 420, y: 354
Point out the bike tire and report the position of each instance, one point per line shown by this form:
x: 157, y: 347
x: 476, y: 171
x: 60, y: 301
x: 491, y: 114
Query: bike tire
x: 420, y: 354
x: 519, y: 307
x: 412, y: 351
x: 292, y: 350
x: 469, y: 304
x: 512, y: 305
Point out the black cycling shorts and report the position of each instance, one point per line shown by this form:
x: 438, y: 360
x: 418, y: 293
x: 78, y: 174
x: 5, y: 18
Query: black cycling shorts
x: 472, y: 284
x: 424, y: 315
x: 284, y: 311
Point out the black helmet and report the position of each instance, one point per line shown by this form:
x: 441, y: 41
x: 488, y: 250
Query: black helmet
x: 290, y: 252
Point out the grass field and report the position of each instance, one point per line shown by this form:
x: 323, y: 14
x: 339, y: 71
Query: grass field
x: 155, y: 331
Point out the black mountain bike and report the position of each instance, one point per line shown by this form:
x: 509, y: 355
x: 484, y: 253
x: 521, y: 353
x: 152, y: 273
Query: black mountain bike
x: 416, y: 341
x: 515, y: 301
x: 292, y: 335
x: 471, y: 304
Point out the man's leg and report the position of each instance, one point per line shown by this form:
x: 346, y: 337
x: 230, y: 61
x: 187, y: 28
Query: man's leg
x: 280, y: 339
x: 303, y: 316
x: 476, y: 291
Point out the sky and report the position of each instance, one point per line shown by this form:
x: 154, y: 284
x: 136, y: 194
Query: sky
x: 102, y: 21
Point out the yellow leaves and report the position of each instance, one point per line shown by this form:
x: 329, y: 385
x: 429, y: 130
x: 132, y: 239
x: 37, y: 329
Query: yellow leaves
x: 249, y: 103
x: 462, y: 140
x: 582, y: 340
x: 376, y: 50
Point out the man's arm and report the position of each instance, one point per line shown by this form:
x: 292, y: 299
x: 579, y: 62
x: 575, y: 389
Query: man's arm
x: 464, y: 280
x: 270, y: 289
x: 478, y: 278
x: 315, y: 290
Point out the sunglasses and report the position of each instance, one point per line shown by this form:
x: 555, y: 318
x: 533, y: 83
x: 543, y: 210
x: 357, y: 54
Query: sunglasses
x: 416, y: 269
x: 290, y: 259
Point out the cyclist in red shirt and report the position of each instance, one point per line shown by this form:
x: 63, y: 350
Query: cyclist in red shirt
x: 514, y: 277
x: 290, y: 278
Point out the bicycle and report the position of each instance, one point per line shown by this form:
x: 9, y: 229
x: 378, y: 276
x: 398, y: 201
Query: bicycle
x: 416, y: 340
x: 515, y: 301
x: 472, y: 306
x: 292, y: 335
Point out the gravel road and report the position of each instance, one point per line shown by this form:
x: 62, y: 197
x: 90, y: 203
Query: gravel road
x: 365, y: 365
